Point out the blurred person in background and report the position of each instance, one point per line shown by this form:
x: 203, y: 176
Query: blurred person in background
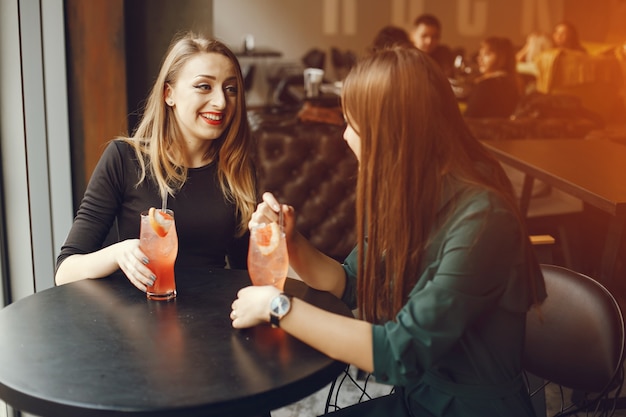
x: 496, y: 91
x: 536, y: 42
x: 390, y: 36
x: 565, y: 35
x: 426, y: 36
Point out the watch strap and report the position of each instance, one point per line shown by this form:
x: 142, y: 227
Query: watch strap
x: 274, y: 320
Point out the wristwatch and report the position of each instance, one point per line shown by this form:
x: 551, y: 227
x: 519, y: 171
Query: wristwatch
x: 279, y: 307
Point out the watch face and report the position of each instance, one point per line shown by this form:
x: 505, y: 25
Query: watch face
x: 280, y: 305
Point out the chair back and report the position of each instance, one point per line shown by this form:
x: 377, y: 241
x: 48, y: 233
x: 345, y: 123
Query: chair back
x: 595, y: 79
x: 576, y: 339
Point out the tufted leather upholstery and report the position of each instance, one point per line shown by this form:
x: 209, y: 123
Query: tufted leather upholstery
x: 309, y: 166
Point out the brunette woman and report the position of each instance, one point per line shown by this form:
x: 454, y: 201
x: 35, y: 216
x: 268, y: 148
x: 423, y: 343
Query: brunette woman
x: 445, y: 273
x: 565, y: 36
x: 496, y: 91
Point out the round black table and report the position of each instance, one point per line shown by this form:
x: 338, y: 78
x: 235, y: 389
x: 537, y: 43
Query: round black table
x: 100, y: 348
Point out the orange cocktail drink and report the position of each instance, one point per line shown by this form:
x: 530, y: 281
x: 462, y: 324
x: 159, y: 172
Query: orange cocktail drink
x: 159, y: 242
x: 268, y: 261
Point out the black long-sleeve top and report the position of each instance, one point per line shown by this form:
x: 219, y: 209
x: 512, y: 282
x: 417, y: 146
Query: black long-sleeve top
x: 493, y: 97
x: 205, y: 221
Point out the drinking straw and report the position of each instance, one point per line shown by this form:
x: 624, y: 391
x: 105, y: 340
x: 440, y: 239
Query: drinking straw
x: 281, y: 219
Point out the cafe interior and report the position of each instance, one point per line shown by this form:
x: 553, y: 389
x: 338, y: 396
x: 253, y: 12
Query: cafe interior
x: 87, y: 67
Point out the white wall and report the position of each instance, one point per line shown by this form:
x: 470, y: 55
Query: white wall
x: 295, y: 26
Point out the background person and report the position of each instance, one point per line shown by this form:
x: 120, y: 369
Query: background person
x: 535, y: 44
x: 390, y: 36
x: 565, y: 35
x: 448, y: 272
x: 496, y: 92
x: 192, y: 144
x: 426, y: 36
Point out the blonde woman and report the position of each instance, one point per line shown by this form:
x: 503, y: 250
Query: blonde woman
x: 191, y: 145
x: 445, y: 273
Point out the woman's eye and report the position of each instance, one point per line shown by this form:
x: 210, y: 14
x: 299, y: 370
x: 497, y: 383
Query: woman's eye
x: 231, y: 89
x: 203, y: 87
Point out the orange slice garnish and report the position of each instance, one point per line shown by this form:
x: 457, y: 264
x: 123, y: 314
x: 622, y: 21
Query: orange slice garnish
x: 160, y: 221
x: 267, y: 238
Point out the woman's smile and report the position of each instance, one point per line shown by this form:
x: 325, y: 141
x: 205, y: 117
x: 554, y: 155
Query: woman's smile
x: 213, y: 118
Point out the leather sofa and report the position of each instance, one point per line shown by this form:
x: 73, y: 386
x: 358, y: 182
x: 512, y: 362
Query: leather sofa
x: 309, y: 166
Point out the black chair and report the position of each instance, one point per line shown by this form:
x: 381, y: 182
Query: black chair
x: 574, y: 343
x: 359, y: 381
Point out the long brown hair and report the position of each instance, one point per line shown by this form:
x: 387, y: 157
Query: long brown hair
x: 412, y: 137
x: 572, y: 40
x: 158, y: 142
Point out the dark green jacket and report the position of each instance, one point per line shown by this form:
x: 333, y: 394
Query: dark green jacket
x: 455, y: 347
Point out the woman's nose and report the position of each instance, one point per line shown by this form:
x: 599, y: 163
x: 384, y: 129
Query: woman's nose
x: 219, y: 99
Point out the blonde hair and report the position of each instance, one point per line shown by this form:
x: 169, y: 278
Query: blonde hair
x: 537, y: 43
x: 413, y: 138
x: 158, y: 141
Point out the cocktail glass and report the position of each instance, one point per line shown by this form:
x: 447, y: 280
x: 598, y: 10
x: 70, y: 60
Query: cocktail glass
x: 159, y: 242
x: 268, y: 261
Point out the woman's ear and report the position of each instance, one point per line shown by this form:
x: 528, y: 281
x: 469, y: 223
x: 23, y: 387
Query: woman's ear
x: 168, y: 95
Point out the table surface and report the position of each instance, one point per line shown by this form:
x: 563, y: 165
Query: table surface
x: 100, y: 348
x: 592, y: 170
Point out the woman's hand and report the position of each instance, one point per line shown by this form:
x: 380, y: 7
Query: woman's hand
x: 132, y: 261
x: 267, y: 212
x: 252, y: 306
